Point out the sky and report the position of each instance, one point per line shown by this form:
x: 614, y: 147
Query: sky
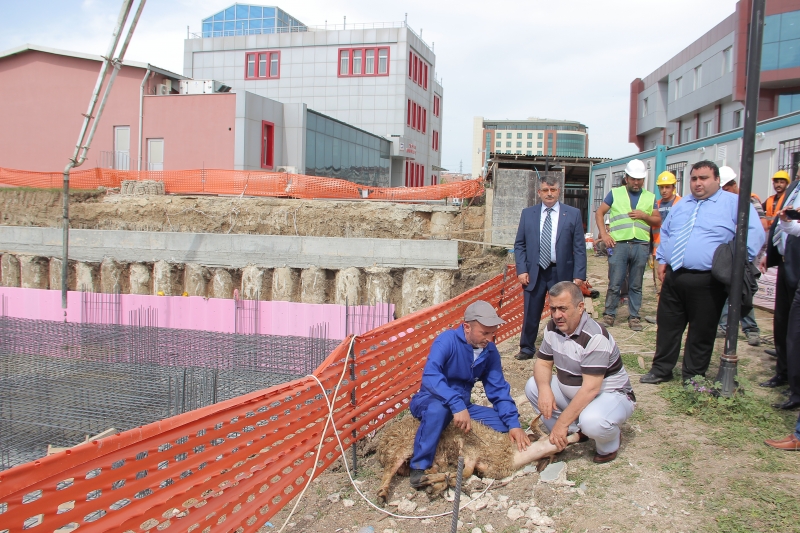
x: 504, y: 59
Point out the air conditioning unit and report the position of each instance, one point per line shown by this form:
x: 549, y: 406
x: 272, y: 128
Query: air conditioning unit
x: 162, y: 89
x: 288, y: 170
x: 203, y: 87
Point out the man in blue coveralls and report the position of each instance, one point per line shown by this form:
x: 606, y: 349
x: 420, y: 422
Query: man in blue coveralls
x: 458, y: 358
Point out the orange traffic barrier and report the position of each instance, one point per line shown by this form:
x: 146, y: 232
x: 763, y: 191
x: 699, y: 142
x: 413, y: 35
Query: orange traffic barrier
x: 255, y: 183
x: 233, y: 465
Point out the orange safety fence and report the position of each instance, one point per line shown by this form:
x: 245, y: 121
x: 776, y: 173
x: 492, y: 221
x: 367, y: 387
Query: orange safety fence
x: 233, y: 465
x: 255, y: 183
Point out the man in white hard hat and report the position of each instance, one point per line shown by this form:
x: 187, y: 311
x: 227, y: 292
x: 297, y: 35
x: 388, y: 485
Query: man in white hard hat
x: 727, y: 180
x: 631, y: 215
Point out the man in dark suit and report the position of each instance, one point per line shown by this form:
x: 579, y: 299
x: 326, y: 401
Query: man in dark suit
x: 783, y: 251
x: 550, y: 248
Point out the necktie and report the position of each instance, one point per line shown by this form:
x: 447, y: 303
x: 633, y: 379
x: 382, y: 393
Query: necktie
x: 546, y: 241
x: 779, y: 237
x: 679, y: 250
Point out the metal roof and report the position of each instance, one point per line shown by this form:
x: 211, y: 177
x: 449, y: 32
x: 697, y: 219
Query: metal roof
x: 80, y: 55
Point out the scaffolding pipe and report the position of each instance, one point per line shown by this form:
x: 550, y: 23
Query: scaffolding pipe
x: 84, y: 142
x: 141, y: 119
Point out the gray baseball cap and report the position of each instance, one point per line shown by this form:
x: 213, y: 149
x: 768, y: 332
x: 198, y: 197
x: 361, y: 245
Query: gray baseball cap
x: 484, y: 313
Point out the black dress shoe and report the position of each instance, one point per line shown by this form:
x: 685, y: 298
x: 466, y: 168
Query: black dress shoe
x: 652, y: 379
x: 788, y: 405
x: 770, y: 352
x: 523, y: 356
x: 774, y: 381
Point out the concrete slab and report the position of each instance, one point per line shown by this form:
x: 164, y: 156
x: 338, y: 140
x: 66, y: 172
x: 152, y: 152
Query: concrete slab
x: 232, y: 251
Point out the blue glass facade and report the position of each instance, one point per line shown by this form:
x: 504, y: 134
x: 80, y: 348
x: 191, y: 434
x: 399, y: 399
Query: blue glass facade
x: 337, y: 150
x: 570, y: 145
x: 244, y: 19
x: 781, y: 41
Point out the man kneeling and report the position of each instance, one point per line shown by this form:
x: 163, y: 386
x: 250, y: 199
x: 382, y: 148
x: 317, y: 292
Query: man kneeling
x: 591, y: 392
x: 458, y: 358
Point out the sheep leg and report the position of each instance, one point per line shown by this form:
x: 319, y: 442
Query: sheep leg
x: 386, y: 480
x: 538, y: 450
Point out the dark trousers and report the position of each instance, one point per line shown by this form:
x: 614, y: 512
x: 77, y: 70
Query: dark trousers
x: 792, y: 346
x: 693, y: 298
x: 784, y: 294
x: 533, y: 307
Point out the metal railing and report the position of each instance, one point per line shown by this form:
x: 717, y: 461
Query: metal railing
x: 116, y: 159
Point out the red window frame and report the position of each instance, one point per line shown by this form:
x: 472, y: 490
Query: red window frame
x: 363, y: 49
x: 256, y: 62
x: 434, y: 180
x: 267, y: 145
x: 436, y: 105
x: 425, y: 77
x: 410, y: 65
x: 418, y: 70
x: 424, y: 120
x: 414, y: 110
x: 435, y: 140
x: 408, y: 113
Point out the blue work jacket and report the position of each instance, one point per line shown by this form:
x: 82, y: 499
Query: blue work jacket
x: 451, y: 371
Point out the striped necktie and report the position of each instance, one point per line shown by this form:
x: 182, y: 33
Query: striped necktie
x: 779, y: 237
x: 546, y: 241
x: 682, y: 239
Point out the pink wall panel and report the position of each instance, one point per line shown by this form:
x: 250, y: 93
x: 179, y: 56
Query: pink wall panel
x: 197, y: 313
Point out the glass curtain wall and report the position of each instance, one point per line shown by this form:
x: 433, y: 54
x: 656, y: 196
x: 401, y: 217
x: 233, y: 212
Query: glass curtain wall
x: 571, y: 145
x: 242, y: 19
x: 337, y: 150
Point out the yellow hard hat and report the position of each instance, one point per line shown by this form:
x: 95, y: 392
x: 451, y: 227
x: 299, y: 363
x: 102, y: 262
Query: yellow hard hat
x: 781, y: 175
x: 666, y: 178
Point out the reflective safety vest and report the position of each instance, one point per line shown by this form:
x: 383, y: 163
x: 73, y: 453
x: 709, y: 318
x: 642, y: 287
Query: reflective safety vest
x: 774, y: 205
x: 621, y: 226
x: 663, y: 209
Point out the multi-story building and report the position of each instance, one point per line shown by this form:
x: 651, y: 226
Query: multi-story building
x: 700, y: 92
x: 378, y: 78
x: 534, y: 136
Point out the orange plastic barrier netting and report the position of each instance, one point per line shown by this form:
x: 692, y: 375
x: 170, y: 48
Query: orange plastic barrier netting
x: 210, y: 181
x: 232, y: 466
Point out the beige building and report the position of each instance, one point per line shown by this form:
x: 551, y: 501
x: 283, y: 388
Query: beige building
x: 529, y: 137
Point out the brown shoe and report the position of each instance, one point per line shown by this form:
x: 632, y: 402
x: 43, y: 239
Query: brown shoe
x: 790, y: 443
x: 608, y: 320
x: 523, y: 356
x: 635, y: 324
x: 607, y: 458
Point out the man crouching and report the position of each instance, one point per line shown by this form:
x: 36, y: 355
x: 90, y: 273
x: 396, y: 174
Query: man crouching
x: 458, y: 358
x: 591, y: 386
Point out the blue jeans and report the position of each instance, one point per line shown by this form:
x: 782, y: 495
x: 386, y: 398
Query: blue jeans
x: 628, y: 259
x: 797, y: 428
x: 748, y: 321
x: 434, y: 416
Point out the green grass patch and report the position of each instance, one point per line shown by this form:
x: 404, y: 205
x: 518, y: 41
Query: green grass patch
x: 748, y: 507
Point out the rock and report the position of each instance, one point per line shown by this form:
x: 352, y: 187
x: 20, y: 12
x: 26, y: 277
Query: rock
x: 379, y: 285
x: 460, y: 524
x: 370, y: 529
x: 164, y: 278
x: 348, y: 503
x: 489, y: 528
x: 394, y: 503
x: 55, y: 275
x: 476, y: 530
x: 313, y: 286
x: 34, y: 272
x: 140, y: 280
x: 195, y: 280
x: 221, y: 284
x: 556, y: 474
x: 86, y: 277
x: 285, y: 284
x: 502, y: 498
x: 348, y: 286
x: 530, y: 469
x: 256, y: 283
x: 426, y: 521
x: 406, y: 506
x: 542, y: 520
x: 334, y: 498
x: 515, y: 513
x: 9, y: 271
x: 442, y: 285
x: 417, y: 290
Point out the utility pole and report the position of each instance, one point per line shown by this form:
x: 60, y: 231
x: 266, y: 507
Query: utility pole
x: 729, y: 360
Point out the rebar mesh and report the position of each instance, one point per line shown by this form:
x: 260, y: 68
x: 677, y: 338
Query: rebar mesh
x: 60, y: 382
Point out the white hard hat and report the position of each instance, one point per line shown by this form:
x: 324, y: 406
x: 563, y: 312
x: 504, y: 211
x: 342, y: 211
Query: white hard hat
x: 636, y: 169
x: 726, y: 175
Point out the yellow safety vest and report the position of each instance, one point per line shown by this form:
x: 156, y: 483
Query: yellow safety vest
x: 621, y: 226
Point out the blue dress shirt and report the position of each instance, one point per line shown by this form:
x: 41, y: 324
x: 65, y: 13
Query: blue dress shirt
x: 715, y: 225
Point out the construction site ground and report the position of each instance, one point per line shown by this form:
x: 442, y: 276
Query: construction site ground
x: 681, y: 467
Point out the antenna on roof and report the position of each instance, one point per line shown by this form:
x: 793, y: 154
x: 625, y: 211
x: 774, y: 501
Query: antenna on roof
x: 345, y: 23
x: 406, y: 21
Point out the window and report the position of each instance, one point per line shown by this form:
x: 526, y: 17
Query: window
x: 539, y: 152
x: 644, y: 107
x: 599, y: 189
x: 498, y: 144
x: 528, y: 153
x: 698, y: 74
x: 707, y: 129
x: 678, y: 88
x: 267, y: 145
x: 361, y: 62
x: 262, y: 65
x: 539, y: 144
x: 498, y: 135
x: 416, y: 116
x: 687, y: 134
x: 671, y: 139
x: 530, y: 136
x: 737, y: 119
x: 508, y: 135
x: 727, y: 60
x: 415, y: 174
x: 425, y: 78
x: 519, y: 136
x: 508, y: 144
x: 414, y: 120
x: 789, y: 156
x: 424, y: 120
x: 617, y: 177
x: 540, y: 135
x: 788, y: 103
x: 678, y: 169
x: 519, y: 152
x: 781, y: 41
x: 418, y: 70
x: 530, y: 145
x: 519, y: 145
x: 435, y: 140
x: 408, y: 114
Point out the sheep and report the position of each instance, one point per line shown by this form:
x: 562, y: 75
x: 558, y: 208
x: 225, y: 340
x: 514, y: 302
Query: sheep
x: 487, y: 453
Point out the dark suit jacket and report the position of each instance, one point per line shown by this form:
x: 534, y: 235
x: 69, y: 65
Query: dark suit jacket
x: 791, y: 257
x: 570, y: 244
